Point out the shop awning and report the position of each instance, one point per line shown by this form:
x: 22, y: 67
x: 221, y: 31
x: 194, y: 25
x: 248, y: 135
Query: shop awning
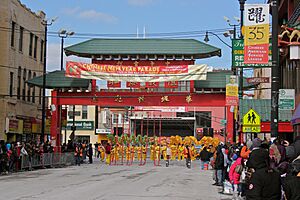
x: 296, y: 116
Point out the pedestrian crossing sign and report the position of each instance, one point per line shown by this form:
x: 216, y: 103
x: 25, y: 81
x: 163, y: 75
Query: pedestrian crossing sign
x: 251, y: 118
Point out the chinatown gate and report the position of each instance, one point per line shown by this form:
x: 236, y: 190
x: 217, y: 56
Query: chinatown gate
x: 137, y: 53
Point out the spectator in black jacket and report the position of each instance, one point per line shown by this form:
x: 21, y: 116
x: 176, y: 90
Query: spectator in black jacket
x: 219, y: 165
x: 264, y: 183
x: 291, y: 184
x: 204, y: 157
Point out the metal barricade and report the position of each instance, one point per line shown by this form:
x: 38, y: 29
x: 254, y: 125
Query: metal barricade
x: 48, y: 160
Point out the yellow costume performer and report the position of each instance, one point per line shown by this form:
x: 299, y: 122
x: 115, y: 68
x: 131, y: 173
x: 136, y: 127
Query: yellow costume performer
x: 102, y: 153
x: 139, y: 152
x: 128, y: 153
x: 152, y: 152
x: 132, y: 151
x: 144, y: 151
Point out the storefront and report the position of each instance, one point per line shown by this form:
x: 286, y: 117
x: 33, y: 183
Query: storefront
x: 14, y: 129
x: 84, y: 131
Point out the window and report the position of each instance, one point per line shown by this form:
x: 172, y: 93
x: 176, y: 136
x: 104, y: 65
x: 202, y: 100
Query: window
x: 12, y: 39
x: 11, y: 84
x: 84, y: 112
x: 19, y: 83
x: 70, y: 111
x: 42, y: 51
x: 35, y: 46
x: 29, y: 88
x: 115, y: 118
x: 30, y: 44
x: 33, y: 90
x: 24, y: 85
x: 21, y: 38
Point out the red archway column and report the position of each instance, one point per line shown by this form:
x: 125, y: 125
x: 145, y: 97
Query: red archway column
x: 55, y: 123
x: 229, y: 124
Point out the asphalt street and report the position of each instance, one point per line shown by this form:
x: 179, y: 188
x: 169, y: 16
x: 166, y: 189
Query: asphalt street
x: 99, y: 181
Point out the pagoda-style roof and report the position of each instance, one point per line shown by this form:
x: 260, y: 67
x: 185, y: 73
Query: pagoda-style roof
x: 57, y: 79
x: 217, y: 80
x: 143, y: 49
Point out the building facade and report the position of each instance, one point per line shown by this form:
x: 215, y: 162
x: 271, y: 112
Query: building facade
x: 84, y: 121
x: 21, y: 58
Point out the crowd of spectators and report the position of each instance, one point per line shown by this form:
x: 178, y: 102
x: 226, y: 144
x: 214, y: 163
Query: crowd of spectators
x: 11, y: 154
x: 258, y: 169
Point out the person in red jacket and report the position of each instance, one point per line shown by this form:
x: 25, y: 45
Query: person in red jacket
x: 235, y: 175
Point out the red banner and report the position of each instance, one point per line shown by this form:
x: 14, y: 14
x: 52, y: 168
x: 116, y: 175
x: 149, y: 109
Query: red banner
x: 113, y: 84
x: 133, y: 84
x: 171, y: 84
x: 152, y: 84
x: 136, y: 73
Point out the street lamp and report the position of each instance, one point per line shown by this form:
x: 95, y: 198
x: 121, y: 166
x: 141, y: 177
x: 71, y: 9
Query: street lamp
x: 63, y: 34
x: 206, y: 39
x: 46, y: 23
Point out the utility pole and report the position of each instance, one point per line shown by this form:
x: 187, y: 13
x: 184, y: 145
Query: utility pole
x: 275, y: 70
x: 46, y: 24
x: 242, y: 7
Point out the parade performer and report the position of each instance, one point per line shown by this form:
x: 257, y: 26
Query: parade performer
x: 112, y: 155
x: 173, y: 151
x: 164, y: 151
x: 108, y: 153
x: 102, y: 152
x: 138, y: 149
x: 180, y: 152
x: 144, y: 150
x: 132, y: 151
x: 157, y: 152
x: 152, y: 152
x: 117, y: 152
x: 128, y: 152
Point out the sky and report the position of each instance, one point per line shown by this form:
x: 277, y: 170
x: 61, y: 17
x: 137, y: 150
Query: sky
x: 126, y: 16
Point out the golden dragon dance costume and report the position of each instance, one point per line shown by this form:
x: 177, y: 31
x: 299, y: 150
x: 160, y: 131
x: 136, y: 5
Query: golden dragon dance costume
x: 157, y: 152
x: 193, y: 150
x: 181, y: 152
x: 173, y: 152
x: 164, y: 152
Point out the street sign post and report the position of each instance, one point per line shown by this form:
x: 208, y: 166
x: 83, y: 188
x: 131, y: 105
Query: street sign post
x: 251, y: 122
x: 286, y: 99
x: 238, y: 55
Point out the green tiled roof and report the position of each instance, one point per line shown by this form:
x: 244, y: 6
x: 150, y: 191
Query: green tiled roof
x: 57, y: 79
x: 187, y: 47
x: 263, y: 108
x: 217, y: 79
